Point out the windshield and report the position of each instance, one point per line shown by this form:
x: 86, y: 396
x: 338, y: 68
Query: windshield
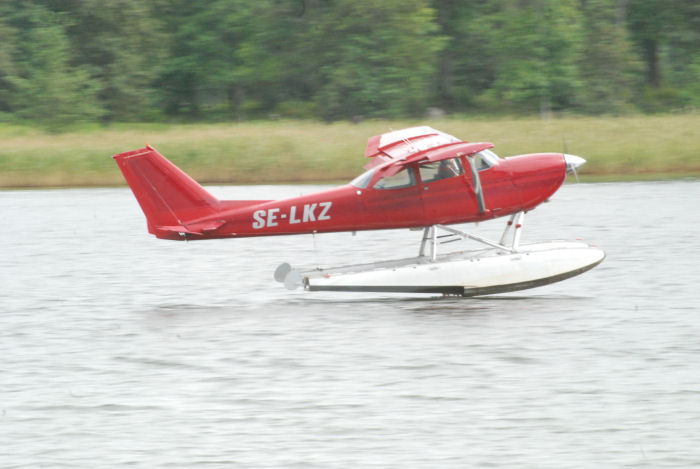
x: 485, y: 159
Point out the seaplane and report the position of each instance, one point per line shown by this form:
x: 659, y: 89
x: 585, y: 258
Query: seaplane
x: 417, y: 178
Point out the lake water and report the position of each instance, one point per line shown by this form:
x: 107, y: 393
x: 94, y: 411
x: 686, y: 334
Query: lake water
x: 119, y: 350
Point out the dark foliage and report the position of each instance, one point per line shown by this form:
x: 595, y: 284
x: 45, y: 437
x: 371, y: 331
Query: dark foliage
x: 84, y: 60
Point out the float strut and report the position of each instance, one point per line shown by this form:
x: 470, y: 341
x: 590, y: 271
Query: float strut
x: 429, y: 234
x: 519, y: 220
x: 502, y: 241
x: 426, y: 232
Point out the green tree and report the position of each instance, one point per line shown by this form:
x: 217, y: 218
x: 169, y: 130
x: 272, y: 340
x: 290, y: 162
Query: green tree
x: 648, y: 21
x: 245, y: 52
x: 683, y: 53
x: 667, y: 34
x: 375, y: 58
x: 534, y: 46
x: 181, y: 70
x: 47, y: 89
x: 609, y: 66
x: 348, y: 57
x: 120, y: 43
x: 7, y: 65
x: 466, y: 65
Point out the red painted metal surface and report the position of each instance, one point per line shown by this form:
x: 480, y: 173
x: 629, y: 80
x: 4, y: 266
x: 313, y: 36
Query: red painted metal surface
x: 178, y: 208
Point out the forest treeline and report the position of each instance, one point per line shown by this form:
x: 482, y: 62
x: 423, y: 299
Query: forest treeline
x: 66, y: 61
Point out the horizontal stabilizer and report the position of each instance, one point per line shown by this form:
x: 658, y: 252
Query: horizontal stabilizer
x: 195, y: 229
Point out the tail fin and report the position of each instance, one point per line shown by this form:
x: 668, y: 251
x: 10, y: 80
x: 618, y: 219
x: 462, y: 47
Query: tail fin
x: 167, y: 196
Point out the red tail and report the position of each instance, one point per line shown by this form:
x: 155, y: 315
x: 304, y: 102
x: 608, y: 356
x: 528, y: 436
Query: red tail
x: 168, y: 196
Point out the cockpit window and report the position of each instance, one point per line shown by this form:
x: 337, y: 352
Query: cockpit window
x: 440, y: 170
x: 362, y: 181
x: 485, y: 159
x: 403, y: 178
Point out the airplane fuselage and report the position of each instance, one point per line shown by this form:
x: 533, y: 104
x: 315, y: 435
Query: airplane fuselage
x: 417, y: 177
x: 511, y: 185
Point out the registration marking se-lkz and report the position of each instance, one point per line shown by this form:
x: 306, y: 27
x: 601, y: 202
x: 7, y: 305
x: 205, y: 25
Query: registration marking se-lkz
x: 308, y: 213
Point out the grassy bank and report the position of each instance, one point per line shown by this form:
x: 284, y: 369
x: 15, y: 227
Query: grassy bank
x: 640, y: 147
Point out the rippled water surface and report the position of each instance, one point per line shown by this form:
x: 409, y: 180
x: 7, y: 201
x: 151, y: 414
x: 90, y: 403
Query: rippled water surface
x: 119, y: 350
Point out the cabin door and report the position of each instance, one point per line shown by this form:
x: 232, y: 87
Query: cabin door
x: 446, y: 191
x: 395, y: 200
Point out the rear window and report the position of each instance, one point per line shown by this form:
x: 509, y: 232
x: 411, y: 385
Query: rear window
x: 363, y: 179
x: 403, y: 178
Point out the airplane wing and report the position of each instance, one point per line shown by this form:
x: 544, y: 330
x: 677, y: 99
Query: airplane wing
x: 412, y: 146
x: 400, y: 144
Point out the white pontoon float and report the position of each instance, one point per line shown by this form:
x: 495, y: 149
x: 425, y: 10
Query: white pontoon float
x: 496, y: 269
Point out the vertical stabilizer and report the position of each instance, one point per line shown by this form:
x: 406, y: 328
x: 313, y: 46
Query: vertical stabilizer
x: 167, y: 196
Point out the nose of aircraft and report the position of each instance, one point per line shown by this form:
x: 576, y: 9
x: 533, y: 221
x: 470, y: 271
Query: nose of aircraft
x: 573, y: 162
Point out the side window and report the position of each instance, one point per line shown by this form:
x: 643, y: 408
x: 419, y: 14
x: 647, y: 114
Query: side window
x: 403, y: 178
x: 441, y: 170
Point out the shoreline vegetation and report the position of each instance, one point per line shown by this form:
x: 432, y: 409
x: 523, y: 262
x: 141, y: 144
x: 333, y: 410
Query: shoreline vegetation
x: 296, y: 151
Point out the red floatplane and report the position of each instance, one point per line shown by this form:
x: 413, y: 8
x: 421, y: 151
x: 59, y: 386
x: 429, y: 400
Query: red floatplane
x: 417, y: 178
